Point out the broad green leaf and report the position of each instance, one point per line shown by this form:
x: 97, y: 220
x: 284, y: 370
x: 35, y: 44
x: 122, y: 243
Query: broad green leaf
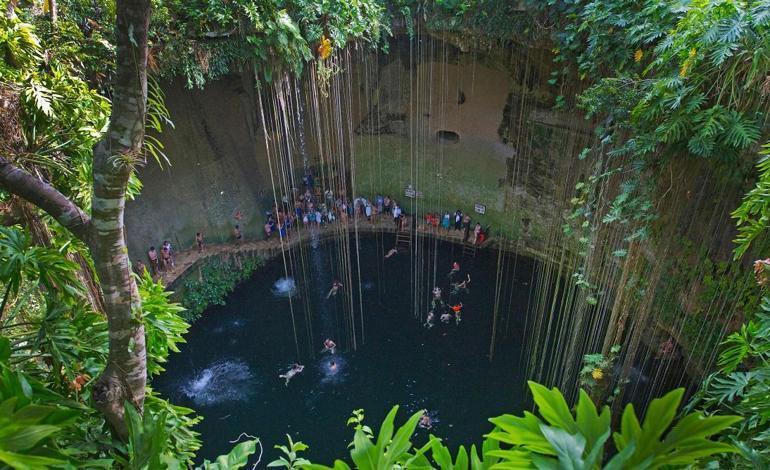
x: 553, y: 407
x: 569, y: 447
x: 26, y: 437
x: 237, y: 458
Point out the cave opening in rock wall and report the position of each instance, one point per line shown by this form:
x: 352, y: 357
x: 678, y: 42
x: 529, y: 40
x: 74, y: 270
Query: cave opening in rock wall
x: 451, y: 137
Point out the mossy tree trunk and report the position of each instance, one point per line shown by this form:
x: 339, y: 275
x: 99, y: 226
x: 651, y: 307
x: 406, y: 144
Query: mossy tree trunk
x: 125, y: 376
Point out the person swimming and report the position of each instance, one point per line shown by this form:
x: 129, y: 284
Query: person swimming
x: 329, y: 346
x: 455, y: 269
x: 393, y: 251
x: 295, y: 369
x: 430, y: 321
x: 335, y: 287
x: 333, y: 366
x: 425, y: 422
x: 458, y: 287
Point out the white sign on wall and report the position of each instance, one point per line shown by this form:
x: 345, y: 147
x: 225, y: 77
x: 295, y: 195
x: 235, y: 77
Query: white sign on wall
x: 409, y: 191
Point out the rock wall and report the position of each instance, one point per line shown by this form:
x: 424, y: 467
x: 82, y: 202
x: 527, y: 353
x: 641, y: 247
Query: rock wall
x: 217, y: 169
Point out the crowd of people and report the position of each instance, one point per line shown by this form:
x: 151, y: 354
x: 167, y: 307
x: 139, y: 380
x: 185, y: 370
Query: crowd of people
x: 315, y: 208
x: 458, y: 221
x: 450, y: 309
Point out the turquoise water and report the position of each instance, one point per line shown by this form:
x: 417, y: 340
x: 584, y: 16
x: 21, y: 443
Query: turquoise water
x: 228, y: 369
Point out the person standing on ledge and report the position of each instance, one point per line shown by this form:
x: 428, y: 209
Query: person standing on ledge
x: 199, y: 241
x: 152, y: 255
x: 167, y: 255
x: 140, y: 268
x: 466, y: 228
x: 237, y: 234
x: 268, y: 229
x: 476, y: 232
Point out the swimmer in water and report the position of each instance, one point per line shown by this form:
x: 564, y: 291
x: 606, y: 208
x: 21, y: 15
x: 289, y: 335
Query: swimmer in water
x: 295, y: 369
x: 335, y: 287
x: 436, y: 293
x: 455, y: 269
x: 458, y: 287
x: 329, y: 346
x: 457, y: 309
x: 429, y: 322
x: 425, y: 422
x: 392, y: 252
x: 333, y: 366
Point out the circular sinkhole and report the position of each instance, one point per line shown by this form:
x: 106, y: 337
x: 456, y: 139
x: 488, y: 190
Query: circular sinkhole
x: 228, y: 370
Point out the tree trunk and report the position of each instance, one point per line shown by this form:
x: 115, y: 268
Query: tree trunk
x: 125, y: 377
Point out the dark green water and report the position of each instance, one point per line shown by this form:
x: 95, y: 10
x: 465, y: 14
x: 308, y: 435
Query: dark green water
x: 228, y: 369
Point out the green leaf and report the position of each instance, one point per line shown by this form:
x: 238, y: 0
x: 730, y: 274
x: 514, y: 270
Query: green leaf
x: 553, y: 407
x: 569, y: 447
x: 27, y: 437
x: 29, y: 462
x: 237, y: 458
x: 5, y: 349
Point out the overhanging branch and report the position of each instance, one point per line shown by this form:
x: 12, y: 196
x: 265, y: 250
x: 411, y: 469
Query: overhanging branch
x: 21, y: 183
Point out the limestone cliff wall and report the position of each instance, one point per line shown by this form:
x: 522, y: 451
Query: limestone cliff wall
x: 217, y: 169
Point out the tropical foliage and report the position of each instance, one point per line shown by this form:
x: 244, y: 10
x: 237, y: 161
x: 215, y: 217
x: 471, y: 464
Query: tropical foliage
x: 742, y: 386
x: 215, y: 279
x: 205, y: 40
x: 52, y: 344
x: 597, y: 376
x: 558, y: 438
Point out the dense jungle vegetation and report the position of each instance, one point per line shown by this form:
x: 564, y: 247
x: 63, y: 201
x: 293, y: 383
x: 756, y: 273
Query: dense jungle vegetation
x: 81, y: 336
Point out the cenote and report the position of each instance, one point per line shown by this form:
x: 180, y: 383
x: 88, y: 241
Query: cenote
x: 228, y: 369
x: 196, y: 196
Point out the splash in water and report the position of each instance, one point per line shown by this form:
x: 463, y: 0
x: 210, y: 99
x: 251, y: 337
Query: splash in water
x: 224, y: 381
x: 285, y: 287
x: 332, y: 369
